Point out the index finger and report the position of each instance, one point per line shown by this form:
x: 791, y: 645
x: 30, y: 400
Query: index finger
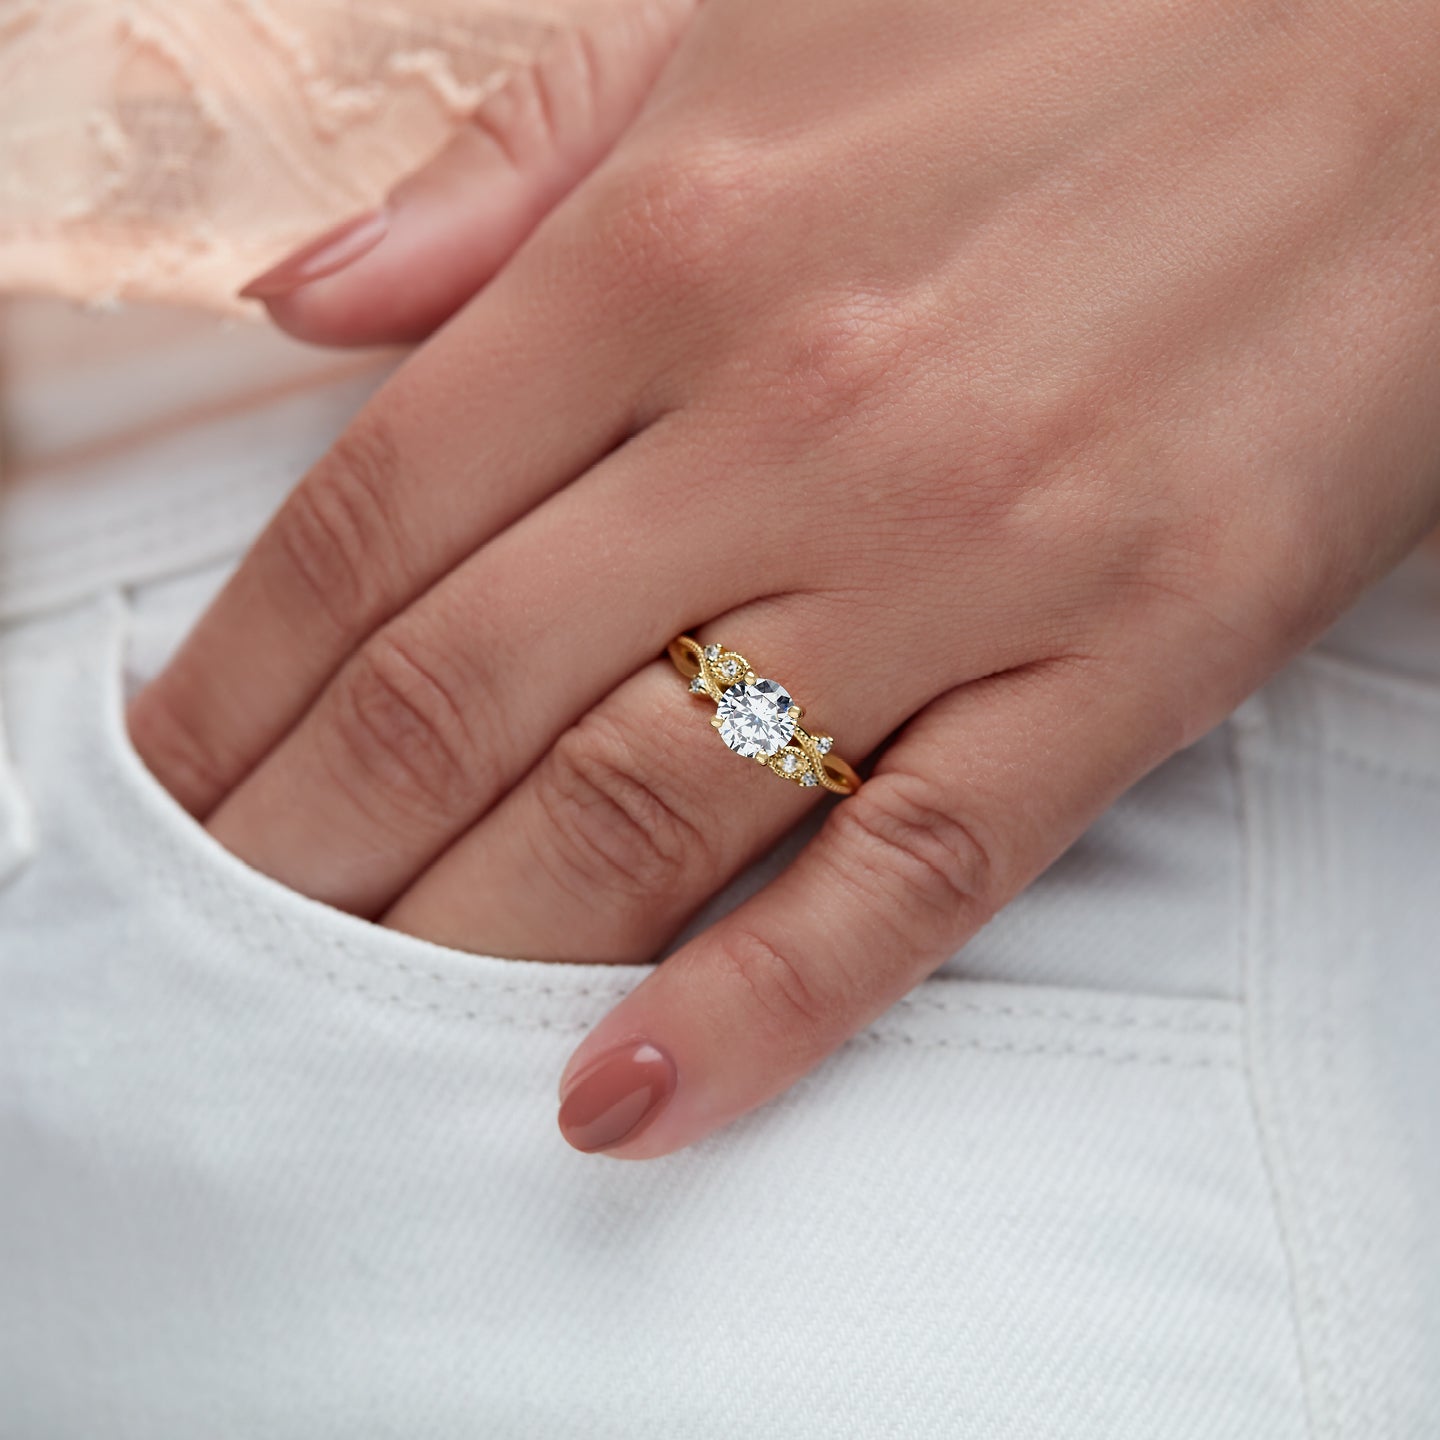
x: 502, y: 408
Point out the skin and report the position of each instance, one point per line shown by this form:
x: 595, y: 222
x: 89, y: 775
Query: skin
x: 1021, y: 385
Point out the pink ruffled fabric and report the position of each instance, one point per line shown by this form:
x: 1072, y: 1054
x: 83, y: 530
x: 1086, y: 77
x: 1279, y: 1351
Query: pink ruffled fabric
x: 169, y: 149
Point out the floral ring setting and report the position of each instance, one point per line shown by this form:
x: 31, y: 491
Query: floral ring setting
x: 758, y: 719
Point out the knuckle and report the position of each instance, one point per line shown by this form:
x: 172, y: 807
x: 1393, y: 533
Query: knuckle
x: 836, y: 363
x: 615, y: 827
x: 337, y: 531
x: 1028, y: 437
x: 923, y: 863
x: 176, y: 753
x: 777, y: 987
x: 400, y: 734
x: 670, y: 225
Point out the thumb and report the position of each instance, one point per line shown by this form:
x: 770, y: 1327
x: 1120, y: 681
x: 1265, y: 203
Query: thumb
x: 396, y: 273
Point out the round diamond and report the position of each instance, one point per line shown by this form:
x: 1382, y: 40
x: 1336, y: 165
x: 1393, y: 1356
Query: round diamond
x: 823, y: 744
x: 808, y: 778
x: 789, y: 763
x: 697, y: 685
x: 755, y: 719
x: 712, y: 652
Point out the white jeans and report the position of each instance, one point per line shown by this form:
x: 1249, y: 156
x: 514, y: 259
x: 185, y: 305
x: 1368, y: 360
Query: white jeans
x: 1157, y: 1156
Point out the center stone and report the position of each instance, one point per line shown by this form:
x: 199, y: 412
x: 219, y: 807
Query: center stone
x: 755, y: 719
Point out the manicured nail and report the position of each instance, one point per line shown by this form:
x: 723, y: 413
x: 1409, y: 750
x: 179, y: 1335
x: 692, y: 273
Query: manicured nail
x: 614, y: 1098
x: 332, y: 251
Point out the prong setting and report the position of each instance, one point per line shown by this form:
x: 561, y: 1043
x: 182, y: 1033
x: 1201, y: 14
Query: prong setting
x: 758, y: 719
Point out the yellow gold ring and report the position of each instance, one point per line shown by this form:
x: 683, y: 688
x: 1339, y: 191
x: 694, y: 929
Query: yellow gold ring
x: 757, y: 718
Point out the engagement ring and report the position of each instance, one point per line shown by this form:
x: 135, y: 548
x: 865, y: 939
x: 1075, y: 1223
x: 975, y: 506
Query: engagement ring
x: 758, y: 719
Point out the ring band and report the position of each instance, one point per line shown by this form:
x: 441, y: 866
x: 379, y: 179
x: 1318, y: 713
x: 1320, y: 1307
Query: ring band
x: 757, y: 718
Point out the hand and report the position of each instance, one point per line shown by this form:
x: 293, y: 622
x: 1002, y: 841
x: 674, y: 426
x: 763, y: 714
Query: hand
x: 1021, y: 386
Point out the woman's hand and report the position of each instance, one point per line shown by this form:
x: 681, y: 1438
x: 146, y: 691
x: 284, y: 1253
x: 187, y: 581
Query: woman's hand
x: 1019, y: 385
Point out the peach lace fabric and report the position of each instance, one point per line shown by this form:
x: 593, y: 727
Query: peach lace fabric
x: 168, y: 149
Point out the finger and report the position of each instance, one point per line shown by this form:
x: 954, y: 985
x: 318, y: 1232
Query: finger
x: 981, y: 791
x: 443, y: 709
x: 397, y: 273
x: 529, y: 393
x: 639, y: 812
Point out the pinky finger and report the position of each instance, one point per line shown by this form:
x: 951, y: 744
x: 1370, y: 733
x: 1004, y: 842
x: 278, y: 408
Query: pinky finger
x: 982, y: 790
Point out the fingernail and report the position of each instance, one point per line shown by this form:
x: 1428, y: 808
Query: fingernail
x: 617, y: 1096
x: 326, y: 254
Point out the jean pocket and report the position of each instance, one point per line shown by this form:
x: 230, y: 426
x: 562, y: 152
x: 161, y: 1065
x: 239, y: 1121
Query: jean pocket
x: 135, y: 840
x: 317, y: 1160
x: 162, y: 875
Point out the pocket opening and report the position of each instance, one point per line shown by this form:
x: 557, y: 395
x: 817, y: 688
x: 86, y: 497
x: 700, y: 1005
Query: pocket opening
x: 216, y: 883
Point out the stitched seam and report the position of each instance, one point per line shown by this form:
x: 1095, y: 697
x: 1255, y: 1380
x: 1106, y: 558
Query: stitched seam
x: 214, y: 900
x: 1350, y: 1386
x: 1126, y: 1021
x: 1004, y: 1009
x: 1355, y: 1394
x: 210, y: 898
x: 124, y: 547
x: 1416, y: 695
x: 218, y: 497
x: 876, y: 1035
x: 208, y: 891
x: 208, y: 895
x: 1373, y: 765
x: 119, y: 546
x: 1251, y: 981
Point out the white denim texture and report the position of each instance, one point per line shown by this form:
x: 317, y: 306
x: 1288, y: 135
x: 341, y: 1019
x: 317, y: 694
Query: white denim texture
x: 1155, y: 1158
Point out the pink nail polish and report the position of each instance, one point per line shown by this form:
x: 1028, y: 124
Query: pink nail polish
x: 616, y: 1096
x: 324, y: 255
